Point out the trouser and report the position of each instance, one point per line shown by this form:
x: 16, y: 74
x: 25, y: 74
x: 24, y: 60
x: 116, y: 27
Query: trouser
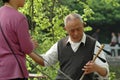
x: 19, y: 79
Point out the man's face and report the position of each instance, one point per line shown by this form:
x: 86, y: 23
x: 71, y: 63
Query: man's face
x: 75, y: 30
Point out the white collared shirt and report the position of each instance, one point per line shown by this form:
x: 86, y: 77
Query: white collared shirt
x: 51, y: 55
x: 74, y: 45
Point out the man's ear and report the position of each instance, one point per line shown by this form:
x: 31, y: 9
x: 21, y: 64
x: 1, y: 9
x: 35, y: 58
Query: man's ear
x: 84, y: 24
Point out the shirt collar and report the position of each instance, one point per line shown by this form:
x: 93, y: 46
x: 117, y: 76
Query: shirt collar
x: 82, y: 40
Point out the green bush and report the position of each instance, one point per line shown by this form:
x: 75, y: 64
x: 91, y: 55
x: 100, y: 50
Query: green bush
x: 112, y: 76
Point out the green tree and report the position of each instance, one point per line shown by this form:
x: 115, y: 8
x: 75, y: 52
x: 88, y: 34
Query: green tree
x: 106, y: 17
x: 106, y: 12
x: 1, y: 3
x: 46, y: 24
x: 48, y: 18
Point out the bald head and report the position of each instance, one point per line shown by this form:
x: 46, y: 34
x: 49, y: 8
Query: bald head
x: 72, y: 17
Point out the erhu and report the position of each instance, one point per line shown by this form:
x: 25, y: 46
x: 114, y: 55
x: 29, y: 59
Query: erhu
x: 94, y: 58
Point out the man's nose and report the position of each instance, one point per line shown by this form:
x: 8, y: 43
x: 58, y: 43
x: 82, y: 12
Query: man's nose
x: 76, y: 32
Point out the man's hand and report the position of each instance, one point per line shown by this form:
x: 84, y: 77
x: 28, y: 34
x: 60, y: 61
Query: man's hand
x: 35, y: 43
x: 90, y: 67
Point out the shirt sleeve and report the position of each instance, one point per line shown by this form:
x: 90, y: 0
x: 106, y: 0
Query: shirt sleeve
x: 99, y: 62
x: 24, y: 36
x: 51, y: 56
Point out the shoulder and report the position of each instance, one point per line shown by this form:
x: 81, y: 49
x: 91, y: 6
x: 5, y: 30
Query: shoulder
x: 18, y: 16
x: 90, y: 38
x: 63, y: 40
x: 11, y: 14
x: 90, y: 41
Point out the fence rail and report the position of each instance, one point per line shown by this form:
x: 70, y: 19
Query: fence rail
x: 39, y: 77
x: 115, y: 50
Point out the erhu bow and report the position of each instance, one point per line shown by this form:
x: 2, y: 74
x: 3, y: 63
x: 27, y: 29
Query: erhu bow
x: 94, y: 58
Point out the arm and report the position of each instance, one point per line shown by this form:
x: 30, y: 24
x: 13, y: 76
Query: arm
x: 23, y: 36
x: 103, y: 68
x: 92, y: 67
x: 38, y: 59
x: 51, y: 57
x: 98, y: 66
x: 101, y: 71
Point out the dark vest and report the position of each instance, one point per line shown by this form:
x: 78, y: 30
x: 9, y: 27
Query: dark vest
x: 71, y: 63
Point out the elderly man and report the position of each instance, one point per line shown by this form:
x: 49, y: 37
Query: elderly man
x: 75, y: 53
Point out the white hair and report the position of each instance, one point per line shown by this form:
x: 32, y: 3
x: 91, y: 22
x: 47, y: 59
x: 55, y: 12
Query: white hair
x: 72, y: 17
